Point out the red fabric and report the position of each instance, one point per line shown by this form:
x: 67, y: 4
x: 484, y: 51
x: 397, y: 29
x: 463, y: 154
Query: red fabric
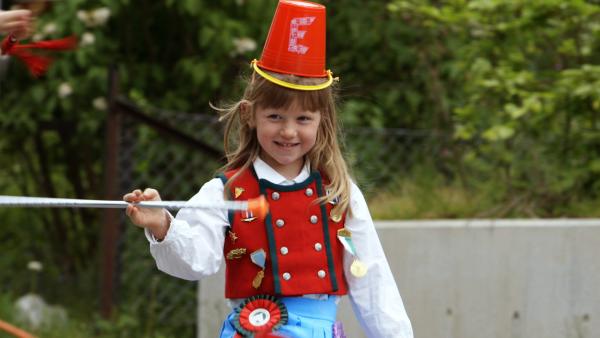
x: 67, y: 43
x: 298, y: 234
x: 37, y: 64
x: 7, y: 44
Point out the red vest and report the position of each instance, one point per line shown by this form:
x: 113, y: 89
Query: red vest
x: 303, y: 254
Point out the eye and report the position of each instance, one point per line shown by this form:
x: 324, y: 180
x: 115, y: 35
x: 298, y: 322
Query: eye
x: 305, y: 118
x: 274, y: 117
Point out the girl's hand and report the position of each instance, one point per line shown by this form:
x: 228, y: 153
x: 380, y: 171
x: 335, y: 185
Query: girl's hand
x: 156, y: 220
x: 18, y: 21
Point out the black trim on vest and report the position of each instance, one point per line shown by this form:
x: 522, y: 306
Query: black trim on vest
x: 296, y: 186
x: 272, y: 246
x: 223, y: 178
x: 253, y: 171
x: 330, y: 264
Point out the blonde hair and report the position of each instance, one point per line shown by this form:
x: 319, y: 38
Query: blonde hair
x: 241, y: 142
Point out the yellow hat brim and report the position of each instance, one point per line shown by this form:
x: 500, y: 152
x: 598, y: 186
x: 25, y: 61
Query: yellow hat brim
x: 282, y: 83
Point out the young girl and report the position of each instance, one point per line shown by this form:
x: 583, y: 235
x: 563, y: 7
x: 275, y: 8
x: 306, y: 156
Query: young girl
x: 287, y: 271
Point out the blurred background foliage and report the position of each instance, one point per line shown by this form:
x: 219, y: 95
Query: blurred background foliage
x: 512, y: 89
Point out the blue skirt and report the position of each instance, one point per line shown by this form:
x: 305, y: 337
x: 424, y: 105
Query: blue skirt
x: 307, y: 318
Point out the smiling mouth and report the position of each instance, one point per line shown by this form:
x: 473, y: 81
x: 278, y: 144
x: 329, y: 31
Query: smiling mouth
x: 286, y: 145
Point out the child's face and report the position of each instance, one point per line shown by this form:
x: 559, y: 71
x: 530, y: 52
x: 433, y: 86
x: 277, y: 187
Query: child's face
x: 285, y: 136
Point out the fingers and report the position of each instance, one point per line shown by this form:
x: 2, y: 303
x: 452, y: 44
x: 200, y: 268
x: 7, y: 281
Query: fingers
x: 134, y: 196
x: 23, y: 32
x: 137, y: 195
x: 144, y: 217
x: 130, y: 210
x: 14, y: 25
x: 15, y: 20
x: 15, y: 14
x: 151, y: 195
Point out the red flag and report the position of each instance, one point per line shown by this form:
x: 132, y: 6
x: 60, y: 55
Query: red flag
x: 37, y: 64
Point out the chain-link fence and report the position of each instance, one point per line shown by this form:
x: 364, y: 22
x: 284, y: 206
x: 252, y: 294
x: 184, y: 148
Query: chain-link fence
x: 378, y: 156
x: 150, y: 158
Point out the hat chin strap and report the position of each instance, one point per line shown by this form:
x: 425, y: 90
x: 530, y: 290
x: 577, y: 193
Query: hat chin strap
x: 282, y: 83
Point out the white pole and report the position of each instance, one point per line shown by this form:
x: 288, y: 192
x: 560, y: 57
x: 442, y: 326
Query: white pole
x: 45, y: 202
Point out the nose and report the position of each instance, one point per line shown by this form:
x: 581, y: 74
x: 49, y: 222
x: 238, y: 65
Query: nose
x: 288, y: 131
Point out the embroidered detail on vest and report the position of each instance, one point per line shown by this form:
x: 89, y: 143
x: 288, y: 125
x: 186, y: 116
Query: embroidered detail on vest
x: 238, y: 192
x: 236, y: 253
x: 257, y: 281
x: 232, y: 236
x: 259, y: 257
x: 248, y: 216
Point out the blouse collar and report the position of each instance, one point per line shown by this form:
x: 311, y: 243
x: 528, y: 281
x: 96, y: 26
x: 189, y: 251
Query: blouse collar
x: 265, y: 171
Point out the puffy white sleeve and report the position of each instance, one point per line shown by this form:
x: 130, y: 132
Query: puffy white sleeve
x: 193, y: 246
x: 375, y: 297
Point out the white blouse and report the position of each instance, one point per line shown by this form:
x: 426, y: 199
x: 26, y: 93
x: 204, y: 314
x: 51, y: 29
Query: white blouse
x: 193, y: 249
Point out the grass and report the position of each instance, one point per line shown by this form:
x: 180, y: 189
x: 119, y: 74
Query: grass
x: 413, y: 202
x: 409, y: 200
x: 427, y: 195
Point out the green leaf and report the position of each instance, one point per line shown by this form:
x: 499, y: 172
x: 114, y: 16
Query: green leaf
x: 498, y: 133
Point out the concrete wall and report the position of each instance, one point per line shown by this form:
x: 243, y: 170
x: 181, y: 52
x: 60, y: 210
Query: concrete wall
x: 479, y: 279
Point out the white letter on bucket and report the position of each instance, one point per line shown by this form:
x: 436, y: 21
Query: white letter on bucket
x: 296, y: 33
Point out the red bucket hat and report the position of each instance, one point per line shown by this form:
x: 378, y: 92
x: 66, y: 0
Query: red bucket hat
x: 296, y: 44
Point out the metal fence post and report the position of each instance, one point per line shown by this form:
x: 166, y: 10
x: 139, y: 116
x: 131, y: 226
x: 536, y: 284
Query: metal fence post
x: 111, y: 227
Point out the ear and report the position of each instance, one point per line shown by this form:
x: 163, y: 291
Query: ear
x: 247, y: 114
